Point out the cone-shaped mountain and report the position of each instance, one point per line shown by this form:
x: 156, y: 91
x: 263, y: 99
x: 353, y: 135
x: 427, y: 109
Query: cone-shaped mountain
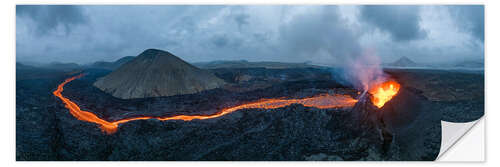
x: 157, y: 73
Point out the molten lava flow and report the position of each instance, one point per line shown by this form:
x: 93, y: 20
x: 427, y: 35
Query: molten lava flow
x: 384, y: 92
x: 80, y: 114
x: 322, y: 101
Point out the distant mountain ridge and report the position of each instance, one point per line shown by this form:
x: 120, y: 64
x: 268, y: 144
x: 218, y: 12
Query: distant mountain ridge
x: 21, y: 66
x: 112, y: 65
x: 247, y: 64
x: 403, y: 62
x: 157, y: 73
x: 471, y: 64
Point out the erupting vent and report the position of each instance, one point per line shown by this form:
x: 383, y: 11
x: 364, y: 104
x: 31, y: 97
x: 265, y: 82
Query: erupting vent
x: 384, y: 92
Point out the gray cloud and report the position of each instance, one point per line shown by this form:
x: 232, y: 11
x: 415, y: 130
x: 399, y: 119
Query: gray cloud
x: 321, y: 34
x: 220, y: 41
x: 241, y: 19
x: 321, y: 31
x: 402, y: 22
x: 470, y: 18
x: 49, y: 17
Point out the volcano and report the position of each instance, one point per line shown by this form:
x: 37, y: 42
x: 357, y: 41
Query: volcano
x: 403, y: 62
x: 157, y: 73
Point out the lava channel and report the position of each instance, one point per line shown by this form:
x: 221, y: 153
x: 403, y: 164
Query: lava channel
x: 322, y: 101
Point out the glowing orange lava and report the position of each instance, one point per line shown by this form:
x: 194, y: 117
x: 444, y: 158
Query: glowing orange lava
x: 322, y: 101
x: 384, y: 92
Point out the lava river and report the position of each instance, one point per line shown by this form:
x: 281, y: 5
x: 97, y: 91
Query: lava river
x: 322, y: 101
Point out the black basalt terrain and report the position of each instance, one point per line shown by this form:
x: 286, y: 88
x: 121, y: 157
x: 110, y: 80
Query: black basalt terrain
x: 406, y: 128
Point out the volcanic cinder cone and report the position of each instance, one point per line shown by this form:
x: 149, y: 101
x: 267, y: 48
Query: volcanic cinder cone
x: 157, y: 73
x: 366, y: 114
x: 404, y: 62
x: 370, y: 117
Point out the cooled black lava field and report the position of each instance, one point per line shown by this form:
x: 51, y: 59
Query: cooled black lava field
x: 410, y: 130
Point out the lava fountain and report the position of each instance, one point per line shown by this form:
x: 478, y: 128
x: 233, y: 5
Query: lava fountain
x: 322, y: 101
x: 383, y: 92
x: 366, y: 73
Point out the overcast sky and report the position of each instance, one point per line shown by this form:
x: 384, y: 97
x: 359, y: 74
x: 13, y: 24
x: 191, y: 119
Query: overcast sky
x: 320, y: 34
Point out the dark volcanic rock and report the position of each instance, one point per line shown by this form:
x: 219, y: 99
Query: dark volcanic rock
x: 157, y: 73
x: 458, y: 95
x: 291, y: 133
x: 406, y: 128
x: 415, y: 125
